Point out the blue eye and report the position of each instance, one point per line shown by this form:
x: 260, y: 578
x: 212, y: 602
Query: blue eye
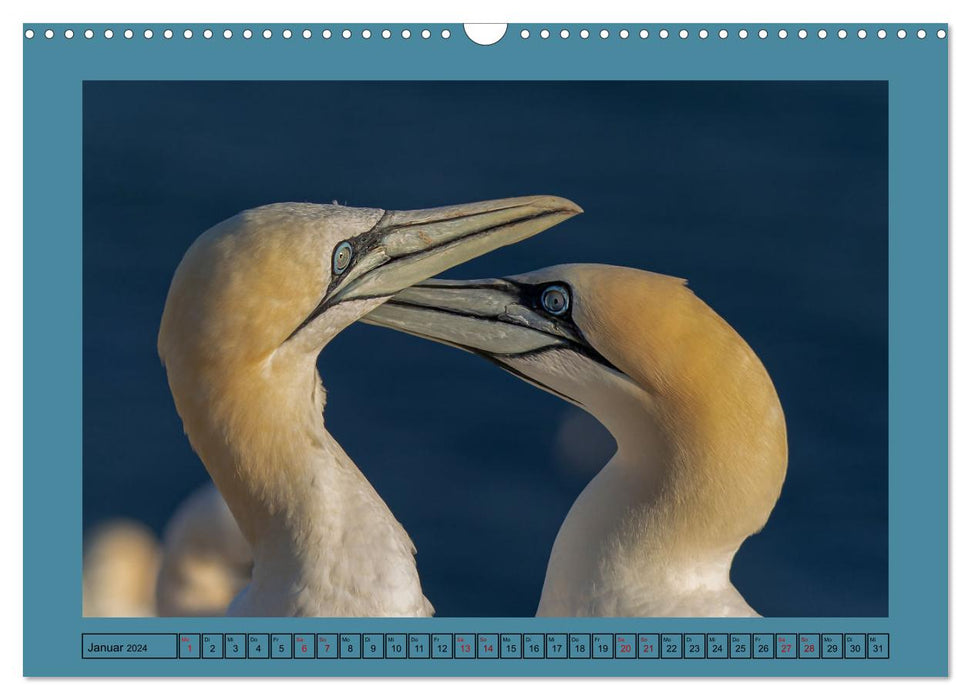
x: 555, y: 299
x: 342, y: 257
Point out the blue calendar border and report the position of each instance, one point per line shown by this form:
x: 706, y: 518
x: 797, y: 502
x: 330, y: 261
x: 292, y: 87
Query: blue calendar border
x: 916, y: 70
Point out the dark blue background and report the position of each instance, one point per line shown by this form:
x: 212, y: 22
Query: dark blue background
x: 771, y: 198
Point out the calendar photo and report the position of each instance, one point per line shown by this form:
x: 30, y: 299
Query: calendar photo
x: 485, y: 349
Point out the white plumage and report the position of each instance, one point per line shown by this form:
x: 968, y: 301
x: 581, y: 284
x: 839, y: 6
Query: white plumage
x: 252, y: 304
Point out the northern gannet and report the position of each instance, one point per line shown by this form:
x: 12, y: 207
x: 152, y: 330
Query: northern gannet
x: 251, y: 305
x: 701, y: 438
x: 121, y: 561
x: 200, y: 566
x: 206, y: 560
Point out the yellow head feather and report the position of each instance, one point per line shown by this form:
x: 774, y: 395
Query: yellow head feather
x: 718, y: 413
x: 239, y: 292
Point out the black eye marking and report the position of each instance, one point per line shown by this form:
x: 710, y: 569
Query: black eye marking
x: 341, y: 260
x: 553, y: 299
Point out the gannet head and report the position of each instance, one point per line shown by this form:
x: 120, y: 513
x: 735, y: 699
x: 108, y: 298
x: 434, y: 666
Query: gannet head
x: 257, y: 297
x: 661, y: 370
x: 299, y: 273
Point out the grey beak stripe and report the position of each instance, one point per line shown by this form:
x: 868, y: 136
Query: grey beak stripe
x: 375, y: 233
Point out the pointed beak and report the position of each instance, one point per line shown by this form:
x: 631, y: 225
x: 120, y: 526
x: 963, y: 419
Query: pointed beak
x: 492, y: 318
x: 486, y: 317
x: 406, y: 247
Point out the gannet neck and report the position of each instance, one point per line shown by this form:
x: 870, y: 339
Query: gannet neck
x: 297, y: 497
x: 625, y: 550
x: 701, y: 457
x: 376, y: 573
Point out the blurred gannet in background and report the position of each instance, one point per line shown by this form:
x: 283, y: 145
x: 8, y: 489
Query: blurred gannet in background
x: 203, y: 562
x: 121, y: 560
x: 206, y: 560
x: 251, y: 305
x: 701, y: 438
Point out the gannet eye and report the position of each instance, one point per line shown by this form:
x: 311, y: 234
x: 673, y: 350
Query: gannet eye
x: 555, y: 299
x: 342, y: 257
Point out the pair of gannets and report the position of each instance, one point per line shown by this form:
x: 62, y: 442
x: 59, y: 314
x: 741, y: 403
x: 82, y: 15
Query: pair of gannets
x: 701, y: 436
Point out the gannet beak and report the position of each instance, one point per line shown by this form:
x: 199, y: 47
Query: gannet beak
x: 406, y: 247
x: 492, y: 318
x: 487, y: 317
